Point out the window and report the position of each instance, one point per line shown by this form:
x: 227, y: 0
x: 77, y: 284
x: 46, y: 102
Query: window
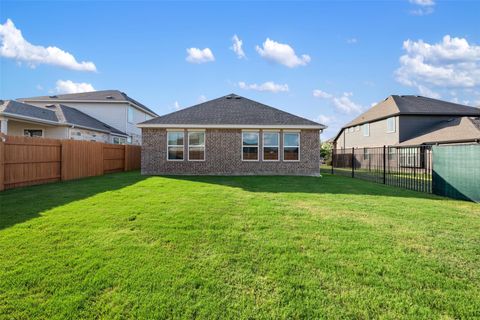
x: 391, y: 125
x: 291, y: 146
x: 130, y: 114
x: 175, y: 145
x: 129, y: 139
x: 357, y: 128
x: 366, y: 129
x: 365, y: 154
x: 392, y: 153
x: 271, y: 142
x: 249, y: 146
x: 119, y: 140
x: 196, y: 145
x: 33, y: 133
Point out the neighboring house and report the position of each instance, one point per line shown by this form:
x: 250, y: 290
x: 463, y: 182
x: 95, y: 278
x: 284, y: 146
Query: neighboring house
x: 113, y: 107
x: 54, y: 121
x: 411, y: 120
x: 231, y: 135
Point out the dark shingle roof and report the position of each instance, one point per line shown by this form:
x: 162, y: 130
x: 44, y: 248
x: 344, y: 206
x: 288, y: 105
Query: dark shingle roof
x: 26, y: 110
x: 60, y: 114
x: 104, y: 95
x: 412, y: 105
x: 452, y: 130
x: 231, y: 110
x: 77, y: 117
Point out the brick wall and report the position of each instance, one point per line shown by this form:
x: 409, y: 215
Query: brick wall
x: 223, y: 156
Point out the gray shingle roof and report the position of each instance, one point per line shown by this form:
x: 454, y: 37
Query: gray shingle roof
x: 412, y: 105
x: 452, y: 130
x: 231, y: 110
x: 59, y: 114
x: 26, y: 110
x: 77, y: 117
x: 104, y: 95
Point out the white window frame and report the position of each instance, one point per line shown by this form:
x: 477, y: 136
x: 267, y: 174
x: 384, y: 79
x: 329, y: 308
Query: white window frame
x: 196, y: 146
x: 176, y: 145
x: 130, y: 112
x: 357, y: 128
x: 285, y: 146
x: 270, y: 146
x: 42, y: 136
x: 253, y: 146
x: 367, y: 127
x: 392, y: 119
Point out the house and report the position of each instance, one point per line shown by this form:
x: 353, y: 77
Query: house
x: 112, y: 107
x: 411, y: 120
x: 231, y: 135
x: 55, y: 121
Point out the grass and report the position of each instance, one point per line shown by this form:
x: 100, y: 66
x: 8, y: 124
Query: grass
x: 127, y: 246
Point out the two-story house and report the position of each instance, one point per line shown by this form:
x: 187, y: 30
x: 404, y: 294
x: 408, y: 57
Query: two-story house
x: 411, y: 120
x: 112, y: 107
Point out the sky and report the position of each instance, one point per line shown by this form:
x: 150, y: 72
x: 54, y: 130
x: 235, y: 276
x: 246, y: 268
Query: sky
x: 327, y: 61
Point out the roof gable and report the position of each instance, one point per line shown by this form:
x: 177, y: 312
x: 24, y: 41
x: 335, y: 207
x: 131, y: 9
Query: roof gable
x: 231, y: 110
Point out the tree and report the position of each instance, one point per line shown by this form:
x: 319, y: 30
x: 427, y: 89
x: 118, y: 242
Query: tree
x: 326, y: 152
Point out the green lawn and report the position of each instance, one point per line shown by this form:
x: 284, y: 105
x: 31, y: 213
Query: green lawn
x: 127, y: 246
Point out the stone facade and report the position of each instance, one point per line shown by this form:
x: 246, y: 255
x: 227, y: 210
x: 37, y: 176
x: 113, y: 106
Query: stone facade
x: 223, y: 155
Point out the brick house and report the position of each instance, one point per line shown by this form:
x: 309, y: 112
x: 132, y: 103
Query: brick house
x: 231, y: 135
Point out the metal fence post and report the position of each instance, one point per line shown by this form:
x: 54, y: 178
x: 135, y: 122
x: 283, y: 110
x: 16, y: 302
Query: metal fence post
x: 384, y: 164
x: 353, y: 162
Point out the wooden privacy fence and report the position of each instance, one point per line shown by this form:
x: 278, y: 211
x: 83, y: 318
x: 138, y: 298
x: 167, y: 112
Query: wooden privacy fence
x: 28, y: 161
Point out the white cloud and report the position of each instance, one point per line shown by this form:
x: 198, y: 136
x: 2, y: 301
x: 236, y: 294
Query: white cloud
x: 282, y: 53
x: 237, y: 47
x: 196, y: 55
x: 68, y: 86
x: 451, y: 64
x: 423, y: 2
x: 425, y: 7
x: 176, y: 106
x: 321, y: 94
x: 14, y: 46
x: 323, y: 119
x: 269, y: 86
x: 342, y: 103
x: 202, y: 98
x: 352, y: 40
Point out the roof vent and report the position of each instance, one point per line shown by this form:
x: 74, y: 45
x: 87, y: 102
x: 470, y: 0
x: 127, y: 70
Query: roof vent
x: 237, y: 97
x: 109, y: 97
x: 228, y: 97
x: 53, y: 97
x: 52, y: 106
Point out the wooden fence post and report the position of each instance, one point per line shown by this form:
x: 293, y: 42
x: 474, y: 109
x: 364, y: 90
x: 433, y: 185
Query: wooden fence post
x: 125, y: 157
x: 63, y: 167
x: 2, y: 164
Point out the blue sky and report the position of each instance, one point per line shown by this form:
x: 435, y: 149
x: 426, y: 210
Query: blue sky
x: 326, y: 61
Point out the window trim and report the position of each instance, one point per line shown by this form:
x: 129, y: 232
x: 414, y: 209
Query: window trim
x: 285, y: 146
x: 269, y: 146
x: 257, y: 146
x: 176, y: 145
x: 366, y: 125
x: 128, y: 113
x: 204, y: 144
x: 42, y: 136
x: 394, y: 125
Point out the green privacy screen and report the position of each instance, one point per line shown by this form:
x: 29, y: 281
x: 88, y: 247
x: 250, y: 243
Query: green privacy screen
x: 456, y: 171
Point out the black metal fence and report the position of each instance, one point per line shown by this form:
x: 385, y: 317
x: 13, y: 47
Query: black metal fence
x: 406, y: 167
